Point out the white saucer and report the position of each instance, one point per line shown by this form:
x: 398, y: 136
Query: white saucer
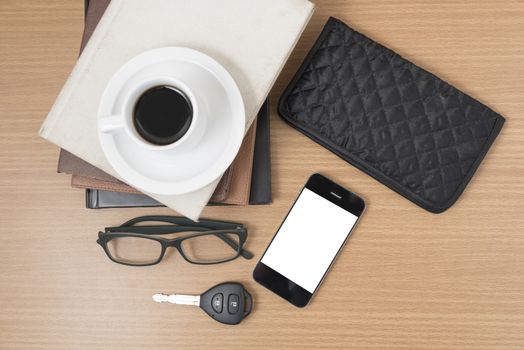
x: 178, y: 170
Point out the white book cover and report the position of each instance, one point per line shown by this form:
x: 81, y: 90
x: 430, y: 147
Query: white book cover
x: 252, y: 39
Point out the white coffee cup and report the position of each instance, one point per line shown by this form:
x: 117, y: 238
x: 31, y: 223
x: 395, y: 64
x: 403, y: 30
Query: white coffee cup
x: 123, y: 120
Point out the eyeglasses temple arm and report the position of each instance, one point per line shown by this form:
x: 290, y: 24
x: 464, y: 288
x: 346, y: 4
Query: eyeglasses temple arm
x: 245, y: 253
x: 154, y: 230
x: 177, y: 220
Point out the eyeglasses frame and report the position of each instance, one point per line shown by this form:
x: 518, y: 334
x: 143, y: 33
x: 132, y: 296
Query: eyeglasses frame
x: 206, y: 227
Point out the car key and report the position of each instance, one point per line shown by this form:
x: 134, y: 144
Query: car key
x: 227, y: 302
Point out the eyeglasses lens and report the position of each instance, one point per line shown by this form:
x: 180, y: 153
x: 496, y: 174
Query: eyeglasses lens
x: 211, y: 248
x: 134, y: 250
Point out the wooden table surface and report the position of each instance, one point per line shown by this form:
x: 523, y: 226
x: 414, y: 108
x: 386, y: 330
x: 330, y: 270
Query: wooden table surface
x: 407, y: 279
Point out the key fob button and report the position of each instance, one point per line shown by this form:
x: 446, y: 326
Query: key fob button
x: 233, y: 304
x: 217, y: 302
x: 227, y: 303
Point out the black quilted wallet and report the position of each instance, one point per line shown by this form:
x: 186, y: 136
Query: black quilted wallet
x: 395, y: 121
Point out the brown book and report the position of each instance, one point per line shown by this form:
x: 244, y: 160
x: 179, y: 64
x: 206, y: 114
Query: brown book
x: 236, y: 181
x: 78, y: 181
x: 242, y: 170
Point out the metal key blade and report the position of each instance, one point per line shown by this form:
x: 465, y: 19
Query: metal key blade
x: 177, y: 299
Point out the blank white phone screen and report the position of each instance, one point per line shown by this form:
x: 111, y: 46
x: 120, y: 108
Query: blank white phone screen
x: 309, y: 239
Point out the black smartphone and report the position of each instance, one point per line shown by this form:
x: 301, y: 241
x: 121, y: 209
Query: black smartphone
x: 309, y: 240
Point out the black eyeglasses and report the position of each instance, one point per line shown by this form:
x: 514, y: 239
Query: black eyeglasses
x: 205, y: 242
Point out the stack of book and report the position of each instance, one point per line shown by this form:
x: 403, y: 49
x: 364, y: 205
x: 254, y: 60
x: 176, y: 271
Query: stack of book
x: 247, y: 181
x: 251, y: 39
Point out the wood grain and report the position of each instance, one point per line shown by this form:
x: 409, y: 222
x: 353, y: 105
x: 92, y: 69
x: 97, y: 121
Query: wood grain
x: 407, y: 279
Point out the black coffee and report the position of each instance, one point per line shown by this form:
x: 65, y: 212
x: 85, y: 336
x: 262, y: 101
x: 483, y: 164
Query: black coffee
x: 162, y: 115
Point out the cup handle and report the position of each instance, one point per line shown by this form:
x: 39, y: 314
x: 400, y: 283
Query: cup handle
x: 110, y: 124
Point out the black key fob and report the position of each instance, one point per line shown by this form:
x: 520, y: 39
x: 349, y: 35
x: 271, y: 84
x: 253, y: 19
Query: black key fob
x: 227, y: 302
